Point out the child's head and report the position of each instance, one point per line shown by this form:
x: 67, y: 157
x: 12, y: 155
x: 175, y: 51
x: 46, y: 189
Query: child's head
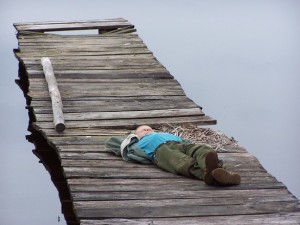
x: 143, y: 130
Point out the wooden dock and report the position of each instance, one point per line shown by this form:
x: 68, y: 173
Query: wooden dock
x: 110, y: 82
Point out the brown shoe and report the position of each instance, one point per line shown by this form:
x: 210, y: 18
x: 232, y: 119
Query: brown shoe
x: 224, y: 177
x: 211, y: 163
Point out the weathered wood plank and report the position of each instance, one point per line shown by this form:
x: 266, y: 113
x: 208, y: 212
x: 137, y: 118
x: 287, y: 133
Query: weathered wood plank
x: 70, y: 161
x: 85, y: 48
x: 168, y: 84
x: 96, y: 70
x: 116, y: 99
x: 93, y: 172
x: 121, y: 90
x: 74, y: 25
x: 39, y: 82
x: 100, y: 147
x: 51, y: 41
x: 95, y: 67
x: 123, y: 115
x: 91, y: 51
x: 177, y: 207
x: 144, y: 171
x: 77, y: 140
x: 113, y: 106
x: 228, y: 158
x: 78, y: 148
x: 61, y: 58
x: 110, y: 59
x: 106, y: 74
x: 81, y: 158
x: 113, y: 51
x: 123, y: 134
x: 46, y: 41
x: 101, y: 184
x: 85, y: 132
x: 194, y: 196
x: 81, y: 184
x: 91, y: 39
x: 131, y: 123
x: 101, y: 66
x: 97, y: 156
x: 206, y: 195
x: 117, y: 92
x: 259, y: 219
x: 233, y: 148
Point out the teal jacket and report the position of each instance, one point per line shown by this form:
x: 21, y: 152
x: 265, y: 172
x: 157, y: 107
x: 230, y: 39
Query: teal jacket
x: 128, y: 149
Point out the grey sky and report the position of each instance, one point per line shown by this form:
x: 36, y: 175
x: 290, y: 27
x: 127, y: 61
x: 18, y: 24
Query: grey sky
x: 238, y: 59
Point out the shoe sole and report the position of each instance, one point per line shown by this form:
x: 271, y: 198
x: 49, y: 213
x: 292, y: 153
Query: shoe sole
x: 211, y: 163
x: 223, y: 177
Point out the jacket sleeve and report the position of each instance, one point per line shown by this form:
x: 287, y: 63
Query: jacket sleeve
x: 129, y: 151
x: 113, y: 144
x: 137, y: 154
x: 132, y: 152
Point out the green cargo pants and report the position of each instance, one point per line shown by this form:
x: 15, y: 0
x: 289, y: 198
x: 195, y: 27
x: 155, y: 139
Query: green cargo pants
x: 182, y: 158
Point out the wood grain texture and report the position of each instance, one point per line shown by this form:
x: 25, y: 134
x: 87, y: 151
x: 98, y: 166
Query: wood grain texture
x: 58, y: 116
x: 109, y: 84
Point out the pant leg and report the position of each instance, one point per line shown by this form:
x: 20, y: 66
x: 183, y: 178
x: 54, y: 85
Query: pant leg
x: 198, y: 152
x: 171, y: 157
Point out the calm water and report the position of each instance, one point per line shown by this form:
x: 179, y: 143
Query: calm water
x: 239, y: 60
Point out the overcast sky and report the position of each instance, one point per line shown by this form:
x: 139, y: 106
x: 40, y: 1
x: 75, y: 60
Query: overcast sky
x: 238, y: 59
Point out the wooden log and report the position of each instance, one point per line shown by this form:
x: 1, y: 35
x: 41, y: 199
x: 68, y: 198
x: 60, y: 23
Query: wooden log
x: 57, y: 106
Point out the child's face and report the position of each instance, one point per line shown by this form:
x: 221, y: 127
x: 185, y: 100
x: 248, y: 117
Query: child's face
x: 142, y: 131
